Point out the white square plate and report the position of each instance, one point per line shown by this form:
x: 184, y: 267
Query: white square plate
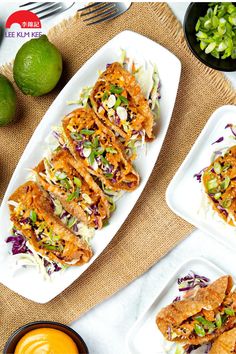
x: 185, y: 195
x: 144, y: 336
x: 27, y: 282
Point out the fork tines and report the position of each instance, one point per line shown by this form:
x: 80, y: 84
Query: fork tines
x: 100, y: 11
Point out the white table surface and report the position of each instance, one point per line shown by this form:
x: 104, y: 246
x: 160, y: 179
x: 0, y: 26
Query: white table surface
x: 104, y: 328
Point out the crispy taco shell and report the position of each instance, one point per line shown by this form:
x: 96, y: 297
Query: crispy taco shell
x: 177, y: 321
x: 225, y: 343
x: 219, y: 180
x: 139, y: 119
x: 90, y: 204
x: 96, y: 148
x: 66, y: 248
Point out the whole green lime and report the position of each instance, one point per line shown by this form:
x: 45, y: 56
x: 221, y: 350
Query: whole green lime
x: 7, y: 101
x: 37, y: 67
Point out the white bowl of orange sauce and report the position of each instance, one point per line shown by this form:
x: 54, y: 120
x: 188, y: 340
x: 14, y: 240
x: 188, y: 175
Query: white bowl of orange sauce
x: 45, y: 337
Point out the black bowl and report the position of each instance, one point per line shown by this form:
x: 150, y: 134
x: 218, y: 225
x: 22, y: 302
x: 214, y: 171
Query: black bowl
x: 194, y: 11
x: 20, y: 332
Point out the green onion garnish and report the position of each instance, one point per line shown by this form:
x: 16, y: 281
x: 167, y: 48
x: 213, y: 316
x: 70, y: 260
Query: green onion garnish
x: 60, y: 175
x: 111, y: 150
x: 226, y: 166
x: 200, y: 331
x: 116, y: 89
x: 73, y: 195
x: 118, y: 102
x: 87, y: 131
x: 226, y: 202
x: 216, y: 30
x: 207, y: 324
x: 217, y: 168
x: 104, y: 161
x: 108, y: 175
x: 229, y: 311
x: 212, y: 183
x: 33, y: 216
x: 124, y: 100
x: 224, y: 185
x: 218, y: 320
x: 77, y: 182
x: 105, y: 96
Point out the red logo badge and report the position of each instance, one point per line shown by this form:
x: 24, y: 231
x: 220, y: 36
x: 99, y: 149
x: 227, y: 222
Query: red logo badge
x: 26, y: 19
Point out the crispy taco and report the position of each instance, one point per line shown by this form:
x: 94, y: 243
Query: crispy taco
x: 202, y: 318
x: 96, y: 148
x: 225, y: 343
x: 31, y: 212
x: 119, y: 102
x: 219, y: 181
x: 63, y: 177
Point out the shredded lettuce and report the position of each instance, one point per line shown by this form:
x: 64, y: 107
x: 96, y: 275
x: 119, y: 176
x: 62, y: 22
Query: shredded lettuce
x: 83, y: 97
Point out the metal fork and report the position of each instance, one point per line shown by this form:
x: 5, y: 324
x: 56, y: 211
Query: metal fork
x: 100, y: 11
x: 103, y: 11
x: 47, y: 9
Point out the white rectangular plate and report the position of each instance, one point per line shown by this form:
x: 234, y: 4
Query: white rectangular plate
x: 27, y: 282
x: 184, y: 194
x: 144, y: 336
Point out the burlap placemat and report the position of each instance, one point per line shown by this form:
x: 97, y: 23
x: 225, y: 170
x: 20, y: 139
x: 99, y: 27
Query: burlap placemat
x: 152, y: 229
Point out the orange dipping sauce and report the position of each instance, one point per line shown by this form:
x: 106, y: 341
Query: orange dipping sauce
x: 46, y: 341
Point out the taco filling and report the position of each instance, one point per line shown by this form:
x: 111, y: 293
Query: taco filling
x: 119, y: 102
x: 32, y: 214
x: 219, y: 181
x: 202, y: 318
x: 74, y: 188
x: 96, y: 148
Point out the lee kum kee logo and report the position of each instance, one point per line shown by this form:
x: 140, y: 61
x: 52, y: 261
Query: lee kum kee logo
x: 29, y: 23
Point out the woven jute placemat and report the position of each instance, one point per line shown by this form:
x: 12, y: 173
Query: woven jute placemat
x: 152, y: 229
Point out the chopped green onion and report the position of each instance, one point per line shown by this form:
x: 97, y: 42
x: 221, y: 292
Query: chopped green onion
x: 73, y: 195
x: 124, y: 100
x: 207, y: 324
x: 77, y: 182
x: 100, y: 150
x: 33, y: 215
x: 224, y: 185
x: 226, y: 166
x: 212, y: 183
x: 229, y: 311
x: 200, y: 331
x: 53, y: 247
x: 111, y: 150
x: 226, y: 203
x: 65, y: 183
x: 217, y: 195
x: 71, y: 222
x: 60, y: 175
x: 87, y: 131
x: 108, y: 175
x: 76, y: 136
x: 91, y: 158
x: 216, y: 30
x: 116, y: 89
x: 58, y: 207
x: 118, y: 102
x: 105, y: 96
x: 218, y: 320
x: 217, y: 168
x: 96, y: 142
x: 104, y: 161
x: 87, y: 144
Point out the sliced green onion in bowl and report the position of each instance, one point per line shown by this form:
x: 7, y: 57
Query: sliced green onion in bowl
x: 216, y: 31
